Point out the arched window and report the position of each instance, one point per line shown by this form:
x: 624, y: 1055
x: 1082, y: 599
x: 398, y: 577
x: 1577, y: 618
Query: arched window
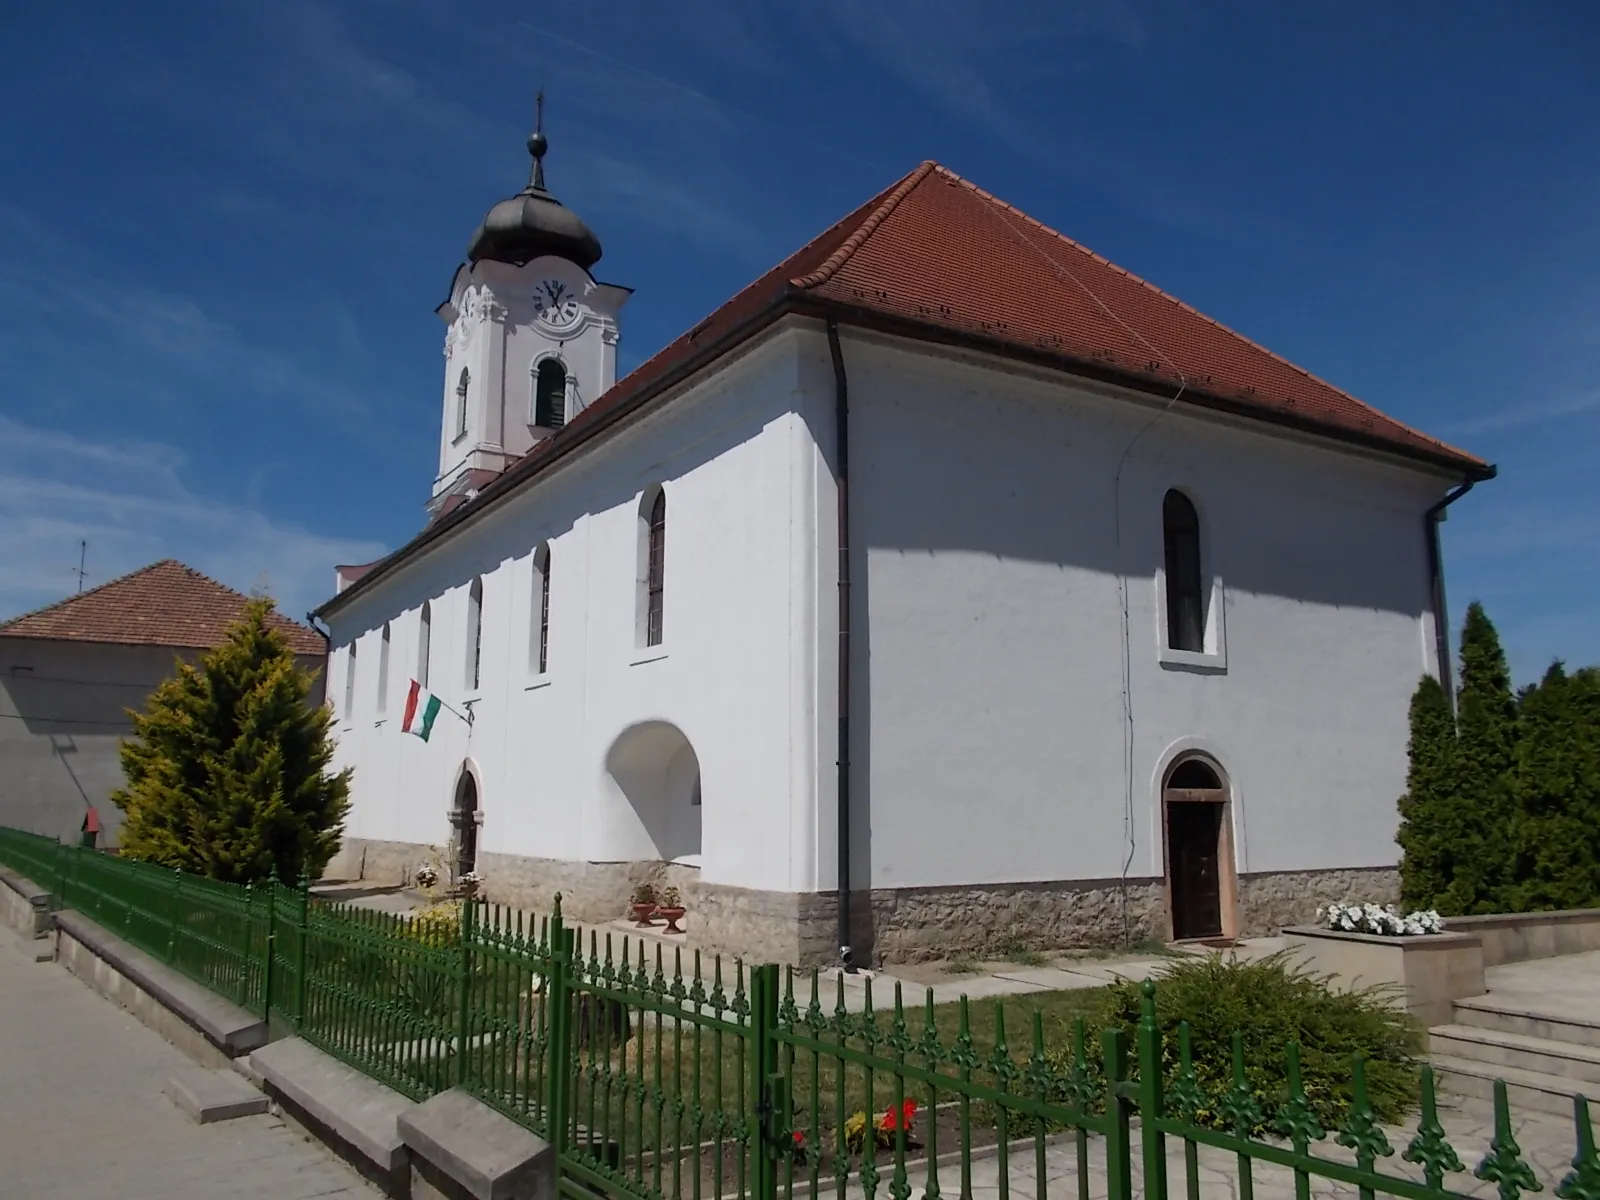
x: 350, y: 681
x: 550, y: 394
x: 475, y: 635
x: 383, y: 670
x: 655, y: 578
x: 1186, y: 616
x: 424, y: 643
x: 461, y: 402
x: 539, y: 614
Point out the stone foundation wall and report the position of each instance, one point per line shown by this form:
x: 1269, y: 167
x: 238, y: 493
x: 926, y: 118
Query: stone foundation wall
x: 889, y: 925
x: 1273, y: 900
x: 923, y: 924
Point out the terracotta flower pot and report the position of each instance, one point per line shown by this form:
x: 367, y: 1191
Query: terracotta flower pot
x: 642, y: 914
x: 672, y: 916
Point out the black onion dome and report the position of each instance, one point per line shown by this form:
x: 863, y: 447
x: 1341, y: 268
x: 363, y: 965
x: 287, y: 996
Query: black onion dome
x: 534, y: 223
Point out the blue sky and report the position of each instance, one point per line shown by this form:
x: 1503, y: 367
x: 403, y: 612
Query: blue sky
x: 224, y: 228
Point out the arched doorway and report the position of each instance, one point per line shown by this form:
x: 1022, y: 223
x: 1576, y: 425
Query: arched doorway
x: 464, y: 818
x: 1199, y: 851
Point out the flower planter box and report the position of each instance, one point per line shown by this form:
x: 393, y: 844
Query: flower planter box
x: 1427, y: 974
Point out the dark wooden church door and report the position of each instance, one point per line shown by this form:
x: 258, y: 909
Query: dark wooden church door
x: 465, y: 819
x: 1194, y: 839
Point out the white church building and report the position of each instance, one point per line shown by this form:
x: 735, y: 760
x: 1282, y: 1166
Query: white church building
x: 947, y: 587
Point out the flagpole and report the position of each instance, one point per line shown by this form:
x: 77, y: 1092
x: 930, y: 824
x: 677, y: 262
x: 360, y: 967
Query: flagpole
x: 467, y: 717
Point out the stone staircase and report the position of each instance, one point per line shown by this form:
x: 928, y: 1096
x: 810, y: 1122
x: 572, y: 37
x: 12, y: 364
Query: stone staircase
x: 1545, y: 1058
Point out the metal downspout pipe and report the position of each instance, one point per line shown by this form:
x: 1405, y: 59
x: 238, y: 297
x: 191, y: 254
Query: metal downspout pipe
x: 841, y: 408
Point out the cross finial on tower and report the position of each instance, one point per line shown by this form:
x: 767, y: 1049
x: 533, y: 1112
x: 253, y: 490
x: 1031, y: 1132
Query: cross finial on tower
x: 537, y: 144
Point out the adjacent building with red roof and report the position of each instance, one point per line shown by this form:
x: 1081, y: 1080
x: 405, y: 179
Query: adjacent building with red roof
x: 947, y: 586
x: 69, y: 673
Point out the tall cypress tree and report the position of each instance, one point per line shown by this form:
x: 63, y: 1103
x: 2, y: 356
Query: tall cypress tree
x: 1486, y: 728
x: 228, y: 767
x: 1428, y: 812
x: 1557, y: 790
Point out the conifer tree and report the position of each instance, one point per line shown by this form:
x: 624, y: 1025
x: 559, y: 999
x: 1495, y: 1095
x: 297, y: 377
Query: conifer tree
x: 1557, y: 791
x: 1483, y: 876
x: 228, y: 767
x: 1428, y: 812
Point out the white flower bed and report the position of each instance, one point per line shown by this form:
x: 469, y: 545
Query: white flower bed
x: 1384, y: 920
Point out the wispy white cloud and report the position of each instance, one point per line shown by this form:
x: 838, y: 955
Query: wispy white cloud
x: 1523, y: 416
x: 129, y: 501
x: 47, y: 285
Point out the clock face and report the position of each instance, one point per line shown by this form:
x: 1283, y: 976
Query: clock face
x: 555, y: 303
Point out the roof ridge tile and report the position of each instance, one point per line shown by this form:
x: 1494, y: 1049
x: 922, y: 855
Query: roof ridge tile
x: 865, y: 230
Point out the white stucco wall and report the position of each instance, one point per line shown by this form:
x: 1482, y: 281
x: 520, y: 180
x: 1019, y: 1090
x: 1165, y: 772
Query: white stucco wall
x: 734, y: 673
x: 993, y: 737
x: 63, y: 715
x: 989, y: 693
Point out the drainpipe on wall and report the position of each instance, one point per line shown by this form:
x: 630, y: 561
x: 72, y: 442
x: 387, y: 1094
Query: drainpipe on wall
x: 841, y: 408
x: 1441, y: 616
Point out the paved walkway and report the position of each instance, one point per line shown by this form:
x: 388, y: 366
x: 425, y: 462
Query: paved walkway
x: 82, y: 1112
x: 1566, y: 987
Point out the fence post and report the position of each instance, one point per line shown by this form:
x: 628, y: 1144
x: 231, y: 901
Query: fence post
x: 558, y: 997
x: 1119, y: 1158
x: 173, y: 903
x: 301, y: 939
x: 763, y: 1030
x: 1151, y: 1103
x: 269, y: 945
x: 464, y: 1011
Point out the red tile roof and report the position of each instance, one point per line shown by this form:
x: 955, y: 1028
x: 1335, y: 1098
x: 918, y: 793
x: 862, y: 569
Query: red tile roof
x: 936, y: 258
x: 164, y: 604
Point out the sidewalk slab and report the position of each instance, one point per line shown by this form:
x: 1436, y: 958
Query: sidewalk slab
x: 208, y: 1095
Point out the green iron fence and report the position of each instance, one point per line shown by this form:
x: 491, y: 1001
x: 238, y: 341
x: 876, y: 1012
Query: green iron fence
x: 661, y: 1079
x: 33, y: 856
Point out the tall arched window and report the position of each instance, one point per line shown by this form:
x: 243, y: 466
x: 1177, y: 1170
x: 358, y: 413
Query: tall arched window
x: 655, y: 578
x: 424, y: 643
x: 461, y: 401
x: 383, y: 670
x: 550, y: 394
x: 539, y: 614
x: 1186, y: 616
x: 475, y: 635
x: 350, y: 681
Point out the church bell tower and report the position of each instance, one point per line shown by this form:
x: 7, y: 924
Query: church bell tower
x: 531, y: 336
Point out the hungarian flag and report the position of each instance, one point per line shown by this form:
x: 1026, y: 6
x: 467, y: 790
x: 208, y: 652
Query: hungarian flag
x: 422, y: 706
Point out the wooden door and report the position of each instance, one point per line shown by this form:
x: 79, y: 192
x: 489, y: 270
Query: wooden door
x: 1194, y: 840
x: 466, y: 822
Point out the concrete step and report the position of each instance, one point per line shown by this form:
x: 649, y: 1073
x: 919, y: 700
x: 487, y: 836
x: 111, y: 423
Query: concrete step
x: 1486, y: 1012
x: 1526, y: 1091
x: 1494, y: 1048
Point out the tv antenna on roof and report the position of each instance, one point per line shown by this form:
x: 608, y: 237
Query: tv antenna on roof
x: 83, y: 558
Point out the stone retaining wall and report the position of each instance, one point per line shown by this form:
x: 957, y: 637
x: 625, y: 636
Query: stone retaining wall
x: 890, y: 925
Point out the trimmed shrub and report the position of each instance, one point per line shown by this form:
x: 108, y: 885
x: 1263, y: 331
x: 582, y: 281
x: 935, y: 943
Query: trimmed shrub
x: 228, y: 768
x: 1272, y: 1003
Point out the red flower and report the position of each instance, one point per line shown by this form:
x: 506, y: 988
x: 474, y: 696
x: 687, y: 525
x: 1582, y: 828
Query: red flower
x: 799, y: 1137
x: 893, y: 1120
